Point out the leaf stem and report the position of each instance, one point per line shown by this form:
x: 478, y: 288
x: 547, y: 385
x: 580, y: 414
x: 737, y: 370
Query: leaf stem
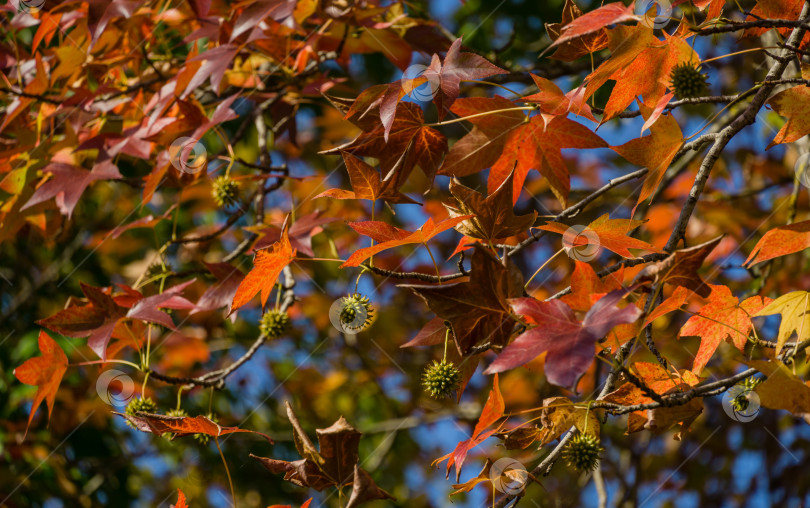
x: 485, y: 113
x: 436, y: 266
x: 109, y: 360
x: 227, y: 471
x: 526, y: 286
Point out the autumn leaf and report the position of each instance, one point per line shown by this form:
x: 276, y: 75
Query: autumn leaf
x: 654, y: 151
x: 333, y: 464
x: 580, y: 46
x: 267, y: 265
x: 553, y: 101
x: 594, y: 21
x: 795, y: 310
x: 410, y: 143
x: 794, y: 104
x: 781, y: 388
x: 493, y: 217
x: 100, y: 316
x: 560, y: 414
x: 69, y: 183
x: 380, y: 232
x: 612, y: 234
x: 300, y: 233
x: 45, y: 372
x: 366, y: 184
x: 220, y: 294
x: 442, y: 79
x: 570, y: 343
x: 477, y: 308
x: 722, y: 317
x: 680, y: 268
x: 780, y: 241
x: 181, y: 500
x: 182, y: 426
x: 492, y: 412
x: 585, y: 285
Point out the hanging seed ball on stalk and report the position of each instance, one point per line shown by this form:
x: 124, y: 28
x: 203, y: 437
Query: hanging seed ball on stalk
x: 687, y: 81
x: 441, y: 379
x: 145, y: 405
x: 274, y: 323
x: 225, y: 191
x: 582, y: 452
x: 356, y: 311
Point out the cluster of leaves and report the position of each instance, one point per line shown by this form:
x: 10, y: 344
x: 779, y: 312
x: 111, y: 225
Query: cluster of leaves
x: 105, y: 91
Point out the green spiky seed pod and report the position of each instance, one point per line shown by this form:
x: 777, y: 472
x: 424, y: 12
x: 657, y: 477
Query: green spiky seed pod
x: 135, y: 406
x: 274, y: 323
x: 741, y: 402
x: 176, y: 413
x: 225, y: 191
x: 582, y: 452
x: 356, y: 311
x: 441, y: 379
x: 687, y: 81
x: 203, y: 438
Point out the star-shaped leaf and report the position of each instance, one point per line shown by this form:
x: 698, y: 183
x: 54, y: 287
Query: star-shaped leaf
x: 366, y: 184
x: 333, y: 464
x: 267, y: 265
x: 391, y: 237
x: 570, y: 343
x: 795, y: 310
x: 680, y: 268
x: 794, y: 104
x: 411, y: 143
x: 477, y: 308
x: 494, y: 216
x: 610, y: 234
x: 69, y: 183
x: 593, y: 22
x: 723, y: 317
x: 182, y: 426
x: 45, y: 372
x: 100, y: 316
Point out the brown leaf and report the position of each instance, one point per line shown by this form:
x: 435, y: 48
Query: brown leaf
x: 182, y: 426
x: 680, y: 268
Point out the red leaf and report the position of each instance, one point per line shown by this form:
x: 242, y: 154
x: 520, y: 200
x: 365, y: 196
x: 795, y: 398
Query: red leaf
x: 594, y: 21
x: 570, y: 344
x: 182, y: 425
x: 492, y: 412
x: 267, y: 265
x: 68, y: 184
x: 45, y: 372
x: 396, y: 237
x: 780, y: 241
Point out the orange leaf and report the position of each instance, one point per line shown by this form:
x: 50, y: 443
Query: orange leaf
x: 793, y: 103
x: 45, y: 372
x: 181, y: 500
x: 182, y: 425
x: 394, y: 237
x: 594, y: 21
x: 724, y: 316
x: 780, y: 241
x: 267, y: 265
x: 612, y: 235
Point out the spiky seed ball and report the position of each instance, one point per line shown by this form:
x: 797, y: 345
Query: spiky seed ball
x: 356, y: 311
x: 203, y: 438
x: 274, y: 323
x: 751, y: 382
x: 687, y: 81
x: 225, y: 191
x: 177, y: 413
x: 441, y: 379
x: 741, y: 402
x: 155, y: 269
x: 582, y: 452
x: 145, y: 405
